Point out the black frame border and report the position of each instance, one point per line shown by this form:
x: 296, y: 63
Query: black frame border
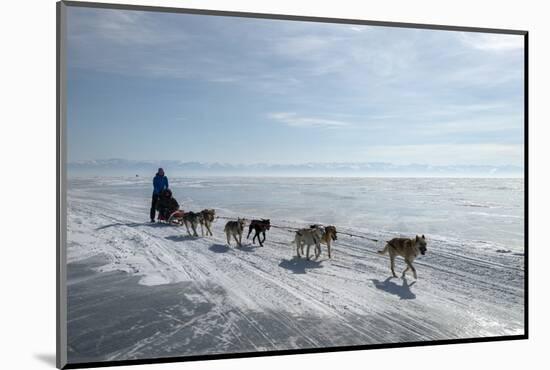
x: 60, y: 189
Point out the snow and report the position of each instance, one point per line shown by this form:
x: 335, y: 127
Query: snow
x: 175, y: 295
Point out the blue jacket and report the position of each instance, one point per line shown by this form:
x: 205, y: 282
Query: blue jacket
x: 159, y: 184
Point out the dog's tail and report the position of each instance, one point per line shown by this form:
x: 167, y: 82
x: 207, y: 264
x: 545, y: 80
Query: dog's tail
x: 385, y: 250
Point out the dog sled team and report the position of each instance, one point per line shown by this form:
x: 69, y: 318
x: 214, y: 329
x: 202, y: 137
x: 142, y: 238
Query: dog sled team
x: 169, y: 212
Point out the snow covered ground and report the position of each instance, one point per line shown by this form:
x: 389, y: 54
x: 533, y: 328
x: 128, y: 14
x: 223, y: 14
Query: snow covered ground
x: 141, y: 290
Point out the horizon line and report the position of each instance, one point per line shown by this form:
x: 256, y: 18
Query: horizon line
x: 83, y: 161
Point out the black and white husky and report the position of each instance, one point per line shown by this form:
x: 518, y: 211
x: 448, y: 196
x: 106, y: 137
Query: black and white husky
x: 193, y: 219
x: 207, y: 218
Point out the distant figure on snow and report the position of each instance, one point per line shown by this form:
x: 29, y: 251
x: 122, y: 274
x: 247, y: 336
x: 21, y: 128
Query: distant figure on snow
x: 160, y: 183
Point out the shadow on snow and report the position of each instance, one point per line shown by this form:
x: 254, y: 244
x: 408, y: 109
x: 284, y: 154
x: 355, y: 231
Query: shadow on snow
x: 247, y: 248
x: 133, y: 224
x: 219, y: 248
x: 180, y: 238
x: 402, y: 291
x: 299, y: 265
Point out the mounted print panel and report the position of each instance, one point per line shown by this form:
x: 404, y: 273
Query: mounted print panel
x: 248, y: 184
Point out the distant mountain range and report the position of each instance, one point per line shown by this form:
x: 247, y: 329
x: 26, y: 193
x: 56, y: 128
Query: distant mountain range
x: 175, y: 167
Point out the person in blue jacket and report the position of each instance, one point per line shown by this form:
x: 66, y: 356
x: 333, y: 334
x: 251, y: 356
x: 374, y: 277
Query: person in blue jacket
x: 160, y: 182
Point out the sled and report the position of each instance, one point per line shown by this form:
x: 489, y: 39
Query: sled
x: 176, y: 217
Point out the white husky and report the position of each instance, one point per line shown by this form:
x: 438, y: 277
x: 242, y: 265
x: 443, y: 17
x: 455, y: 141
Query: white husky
x: 308, y: 237
x: 235, y: 228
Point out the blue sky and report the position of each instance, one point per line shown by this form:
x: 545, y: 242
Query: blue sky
x: 151, y: 86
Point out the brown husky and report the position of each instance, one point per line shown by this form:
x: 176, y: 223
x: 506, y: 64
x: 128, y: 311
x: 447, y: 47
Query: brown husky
x: 329, y: 234
x: 406, y: 248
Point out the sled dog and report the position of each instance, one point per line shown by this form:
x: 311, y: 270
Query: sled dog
x: 329, y: 235
x: 309, y: 237
x: 235, y: 229
x: 259, y: 227
x: 192, y: 218
x: 206, y: 220
x: 406, y: 248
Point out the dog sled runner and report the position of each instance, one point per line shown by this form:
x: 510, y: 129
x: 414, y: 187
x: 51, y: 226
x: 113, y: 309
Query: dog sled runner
x: 174, y: 218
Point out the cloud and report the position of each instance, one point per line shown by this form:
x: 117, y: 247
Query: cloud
x: 122, y: 28
x: 225, y: 79
x: 294, y: 120
x: 373, y: 84
x: 491, y: 42
x: 300, y: 46
x: 357, y: 28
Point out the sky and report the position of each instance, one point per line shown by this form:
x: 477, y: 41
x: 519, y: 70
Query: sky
x: 153, y: 86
